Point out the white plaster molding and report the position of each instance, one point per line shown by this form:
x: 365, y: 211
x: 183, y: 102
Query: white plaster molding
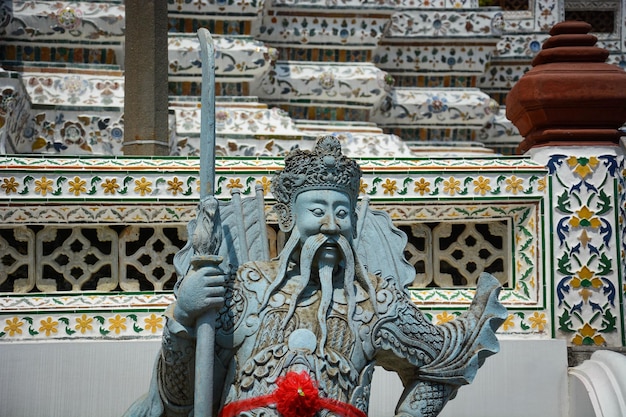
x: 604, y: 377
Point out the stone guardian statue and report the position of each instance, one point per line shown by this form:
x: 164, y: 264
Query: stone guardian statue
x: 300, y: 335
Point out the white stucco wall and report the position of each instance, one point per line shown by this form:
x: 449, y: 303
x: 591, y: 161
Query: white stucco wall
x: 527, y: 378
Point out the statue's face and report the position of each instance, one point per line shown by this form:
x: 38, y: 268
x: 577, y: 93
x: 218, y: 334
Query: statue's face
x: 326, y: 212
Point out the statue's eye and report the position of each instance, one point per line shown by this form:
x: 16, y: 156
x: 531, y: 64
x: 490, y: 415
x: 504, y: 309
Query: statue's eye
x: 317, y: 212
x: 342, y: 214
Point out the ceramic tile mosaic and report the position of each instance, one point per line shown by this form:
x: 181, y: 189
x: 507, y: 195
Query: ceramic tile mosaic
x: 586, y: 244
x: 231, y: 9
x: 431, y: 58
x: 100, y: 191
x: 436, y: 107
x: 456, y: 23
x: 90, y: 22
x: 237, y: 58
x: 303, y: 83
x: 378, y: 4
x: 290, y: 28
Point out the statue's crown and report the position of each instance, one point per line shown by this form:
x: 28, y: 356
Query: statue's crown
x: 323, y: 168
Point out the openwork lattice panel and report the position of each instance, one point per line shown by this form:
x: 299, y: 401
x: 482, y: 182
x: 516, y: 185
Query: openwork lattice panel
x: 17, y: 259
x: 147, y: 257
x: 450, y: 245
x: 89, y: 258
x: 76, y: 259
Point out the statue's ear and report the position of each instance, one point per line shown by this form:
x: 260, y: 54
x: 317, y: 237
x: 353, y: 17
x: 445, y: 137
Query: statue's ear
x: 285, y: 217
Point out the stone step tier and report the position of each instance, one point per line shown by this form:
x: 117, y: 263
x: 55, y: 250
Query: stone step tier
x: 351, y: 62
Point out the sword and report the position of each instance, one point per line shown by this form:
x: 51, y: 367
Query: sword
x: 207, y: 235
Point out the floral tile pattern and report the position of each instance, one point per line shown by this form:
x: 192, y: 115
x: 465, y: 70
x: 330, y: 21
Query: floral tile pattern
x: 67, y: 20
x: 441, y: 107
x: 340, y: 84
x: 587, y: 195
x: 98, y: 191
x: 237, y: 57
x: 436, y: 23
x: 428, y: 58
x: 241, y: 9
x: 290, y: 29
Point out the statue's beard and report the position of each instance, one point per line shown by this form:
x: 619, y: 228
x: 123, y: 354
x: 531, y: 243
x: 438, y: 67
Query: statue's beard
x: 311, y: 261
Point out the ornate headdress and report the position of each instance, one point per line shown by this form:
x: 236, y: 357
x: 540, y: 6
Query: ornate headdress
x: 323, y: 168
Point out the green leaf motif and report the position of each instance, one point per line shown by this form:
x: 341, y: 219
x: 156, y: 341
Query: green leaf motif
x: 563, y: 203
x: 604, y: 205
x: 608, y: 322
x: 564, y: 265
x: 104, y: 331
x: 605, y: 265
x: 137, y: 329
x: 100, y: 319
x: 565, y: 322
x: 172, y: 213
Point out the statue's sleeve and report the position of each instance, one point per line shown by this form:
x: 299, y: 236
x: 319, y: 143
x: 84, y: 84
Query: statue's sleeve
x: 175, y: 367
x: 435, y: 360
x: 171, y: 392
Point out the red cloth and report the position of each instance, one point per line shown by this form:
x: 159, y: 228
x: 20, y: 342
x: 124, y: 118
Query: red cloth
x: 296, y: 395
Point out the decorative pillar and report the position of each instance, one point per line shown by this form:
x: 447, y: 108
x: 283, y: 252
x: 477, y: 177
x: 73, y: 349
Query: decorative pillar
x: 146, y: 90
x: 569, y: 108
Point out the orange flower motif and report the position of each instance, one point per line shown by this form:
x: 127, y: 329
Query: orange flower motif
x: 110, y: 185
x: 586, y: 278
x: 508, y: 323
x: 43, y: 186
x: 175, y: 186
x: 538, y: 321
x: 14, y: 326
x: 541, y: 184
x: 444, y: 317
x: 451, y: 186
x: 10, y: 185
x: 234, y: 183
x: 588, y: 336
x: 582, y: 166
x: 83, y: 323
x: 265, y: 183
x: 143, y: 186
x: 422, y: 186
x: 77, y: 186
x: 585, y: 218
x: 362, y: 187
x: 118, y: 323
x: 48, y: 326
x: 154, y: 323
x: 514, y: 184
x: 390, y: 186
x: 482, y: 185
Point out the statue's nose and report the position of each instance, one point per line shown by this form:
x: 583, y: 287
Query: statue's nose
x: 329, y: 225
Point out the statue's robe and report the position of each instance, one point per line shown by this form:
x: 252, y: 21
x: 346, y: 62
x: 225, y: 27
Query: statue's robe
x: 254, y: 345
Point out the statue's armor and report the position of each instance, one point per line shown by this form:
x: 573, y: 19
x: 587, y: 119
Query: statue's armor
x: 265, y: 348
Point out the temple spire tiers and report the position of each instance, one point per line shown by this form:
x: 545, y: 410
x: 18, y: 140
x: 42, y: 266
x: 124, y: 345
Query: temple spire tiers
x: 571, y: 96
